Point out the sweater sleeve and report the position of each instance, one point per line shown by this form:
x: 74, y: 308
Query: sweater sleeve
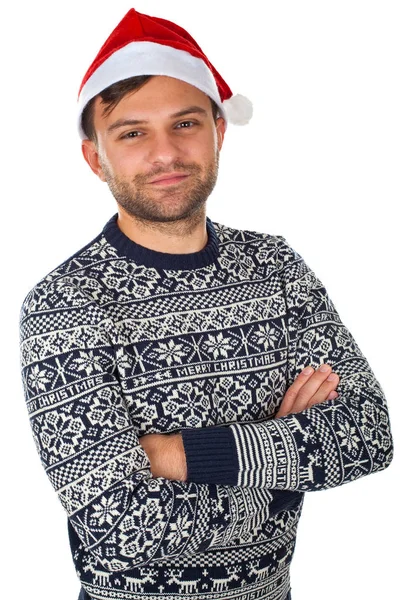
x: 90, y: 449
x: 328, y: 444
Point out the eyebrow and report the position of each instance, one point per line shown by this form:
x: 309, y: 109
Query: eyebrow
x: 190, y: 110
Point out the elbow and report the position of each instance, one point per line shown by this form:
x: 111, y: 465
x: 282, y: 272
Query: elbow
x: 121, y: 548
x: 384, y: 457
x: 103, y: 558
x: 374, y: 430
x: 380, y: 442
x: 135, y: 558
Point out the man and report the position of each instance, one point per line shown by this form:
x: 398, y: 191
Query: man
x: 182, y: 377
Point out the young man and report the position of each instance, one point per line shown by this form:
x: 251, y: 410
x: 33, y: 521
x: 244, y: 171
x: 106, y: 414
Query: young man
x: 181, y: 375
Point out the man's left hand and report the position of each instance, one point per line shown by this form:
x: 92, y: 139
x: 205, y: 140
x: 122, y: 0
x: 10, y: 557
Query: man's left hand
x: 166, y: 454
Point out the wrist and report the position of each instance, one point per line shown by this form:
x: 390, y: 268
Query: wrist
x: 178, y: 457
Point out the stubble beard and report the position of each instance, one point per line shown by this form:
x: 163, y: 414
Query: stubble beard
x: 184, y: 202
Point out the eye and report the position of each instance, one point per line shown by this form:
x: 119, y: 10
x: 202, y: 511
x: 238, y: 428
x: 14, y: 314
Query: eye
x: 186, y: 124
x: 131, y: 134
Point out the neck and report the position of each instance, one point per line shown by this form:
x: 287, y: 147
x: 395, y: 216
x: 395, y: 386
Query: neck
x: 174, y: 237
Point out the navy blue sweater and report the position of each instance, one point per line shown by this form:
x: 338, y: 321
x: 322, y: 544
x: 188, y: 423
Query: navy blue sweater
x: 121, y: 341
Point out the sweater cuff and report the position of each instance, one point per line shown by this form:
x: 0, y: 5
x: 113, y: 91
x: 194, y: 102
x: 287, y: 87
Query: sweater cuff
x: 211, y: 455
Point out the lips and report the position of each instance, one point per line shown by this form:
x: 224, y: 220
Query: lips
x: 169, y: 179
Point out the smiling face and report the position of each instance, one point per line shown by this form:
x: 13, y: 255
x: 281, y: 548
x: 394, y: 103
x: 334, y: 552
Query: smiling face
x: 158, y: 150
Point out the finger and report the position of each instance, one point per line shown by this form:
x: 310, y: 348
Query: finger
x: 329, y: 385
x: 292, y: 391
x: 331, y: 396
x: 311, y: 387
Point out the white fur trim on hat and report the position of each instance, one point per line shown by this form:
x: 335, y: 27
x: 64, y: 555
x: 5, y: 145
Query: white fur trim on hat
x: 149, y: 58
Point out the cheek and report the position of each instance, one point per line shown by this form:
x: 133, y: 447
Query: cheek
x: 205, y: 150
x: 123, y: 164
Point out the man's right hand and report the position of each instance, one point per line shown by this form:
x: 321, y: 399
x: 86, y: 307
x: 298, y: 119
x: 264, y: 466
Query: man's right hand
x: 310, y: 387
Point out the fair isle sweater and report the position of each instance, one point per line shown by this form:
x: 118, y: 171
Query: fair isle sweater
x: 121, y: 341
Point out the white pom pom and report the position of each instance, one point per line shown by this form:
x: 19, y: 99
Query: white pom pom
x: 238, y: 109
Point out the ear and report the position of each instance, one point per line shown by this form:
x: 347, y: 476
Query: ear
x: 91, y: 155
x: 221, y: 128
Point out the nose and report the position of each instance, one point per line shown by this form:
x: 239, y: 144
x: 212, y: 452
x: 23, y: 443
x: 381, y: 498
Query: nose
x: 163, y: 149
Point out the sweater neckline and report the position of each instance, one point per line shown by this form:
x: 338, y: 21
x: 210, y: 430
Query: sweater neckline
x: 162, y: 260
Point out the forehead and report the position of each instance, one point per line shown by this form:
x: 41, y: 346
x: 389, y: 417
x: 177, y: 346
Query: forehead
x: 160, y: 96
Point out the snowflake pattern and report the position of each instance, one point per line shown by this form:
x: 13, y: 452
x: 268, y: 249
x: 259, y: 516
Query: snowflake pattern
x: 107, y: 411
x: 350, y: 439
x: 266, y: 335
x: 105, y: 511
x: 112, y: 350
x: 88, y: 362
x: 218, y: 345
x: 236, y: 262
x: 141, y: 529
x: 38, y: 378
x: 61, y: 433
x: 375, y: 425
x: 171, y: 352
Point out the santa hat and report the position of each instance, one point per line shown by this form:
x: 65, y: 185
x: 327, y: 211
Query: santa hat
x: 143, y: 45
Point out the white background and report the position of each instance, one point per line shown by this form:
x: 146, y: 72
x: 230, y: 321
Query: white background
x: 319, y: 164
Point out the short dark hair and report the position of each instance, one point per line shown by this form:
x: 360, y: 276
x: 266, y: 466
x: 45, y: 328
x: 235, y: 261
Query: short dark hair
x: 113, y: 94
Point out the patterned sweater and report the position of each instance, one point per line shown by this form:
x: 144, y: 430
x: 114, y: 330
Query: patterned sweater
x: 120, y: 341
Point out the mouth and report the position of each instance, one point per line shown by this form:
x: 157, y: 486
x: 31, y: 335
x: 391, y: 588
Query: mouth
x: 169, y: 179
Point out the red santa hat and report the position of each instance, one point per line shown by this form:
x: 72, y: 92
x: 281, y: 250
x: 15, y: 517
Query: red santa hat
x: 144, y: 45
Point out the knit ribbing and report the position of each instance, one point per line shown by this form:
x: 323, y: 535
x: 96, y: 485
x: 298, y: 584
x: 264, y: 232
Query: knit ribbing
x: 162, y: 260
x: 219, y: 466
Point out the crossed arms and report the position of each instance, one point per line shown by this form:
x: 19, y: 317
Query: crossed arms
x: 95, y: 460
x: 167, y: 453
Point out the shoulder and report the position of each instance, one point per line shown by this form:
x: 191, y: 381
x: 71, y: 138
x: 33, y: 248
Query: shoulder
x: 257, y: 243
x: 265, y: 254
x: 227, y: 234
x: 61, y: 285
